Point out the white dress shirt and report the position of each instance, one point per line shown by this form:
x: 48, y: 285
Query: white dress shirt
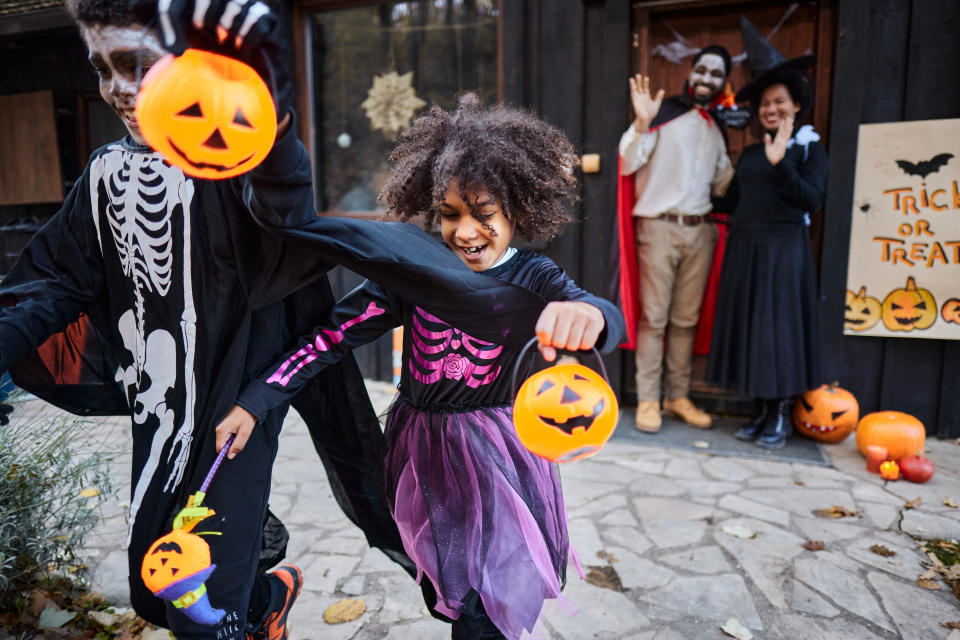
x: 679, y: 165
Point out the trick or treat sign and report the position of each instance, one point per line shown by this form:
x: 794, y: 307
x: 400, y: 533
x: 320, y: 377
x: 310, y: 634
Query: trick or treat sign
x: 903, y: 279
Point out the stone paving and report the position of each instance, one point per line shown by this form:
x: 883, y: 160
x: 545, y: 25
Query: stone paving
x: 666, y: 521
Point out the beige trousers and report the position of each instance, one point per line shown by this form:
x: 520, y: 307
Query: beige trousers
x: 674, y: 262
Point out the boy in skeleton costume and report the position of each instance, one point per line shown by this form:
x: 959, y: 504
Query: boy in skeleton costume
x: 159, y: 296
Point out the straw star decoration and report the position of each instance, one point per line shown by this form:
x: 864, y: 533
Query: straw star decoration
x: 391, y: 103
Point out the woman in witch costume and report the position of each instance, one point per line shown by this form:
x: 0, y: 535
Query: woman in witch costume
x: 766, y: 332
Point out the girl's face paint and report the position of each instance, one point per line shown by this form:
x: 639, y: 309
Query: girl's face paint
x: 473, y: 224
x: 115, y: 54
x: 776, y: 105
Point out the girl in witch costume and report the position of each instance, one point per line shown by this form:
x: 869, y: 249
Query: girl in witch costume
x: 481, y: 516
x: 766, y: 331
x: 159, y: 296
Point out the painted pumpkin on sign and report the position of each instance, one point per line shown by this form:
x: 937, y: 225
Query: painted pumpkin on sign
x: 909, y: 308
x: 950, y: 311
x: 565, y: 412
x: 210, y: 115
x: 828, y: 414
x: 899, y: 433
x: 173, y: 557
x: 861, y: 311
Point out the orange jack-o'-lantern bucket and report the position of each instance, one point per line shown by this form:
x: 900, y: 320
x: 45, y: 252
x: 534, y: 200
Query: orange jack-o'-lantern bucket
x: 210, y: 115
x: 565, y: 412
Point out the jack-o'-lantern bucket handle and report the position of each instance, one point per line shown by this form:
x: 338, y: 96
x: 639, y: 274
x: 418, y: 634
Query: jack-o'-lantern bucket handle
x: 533, y: 340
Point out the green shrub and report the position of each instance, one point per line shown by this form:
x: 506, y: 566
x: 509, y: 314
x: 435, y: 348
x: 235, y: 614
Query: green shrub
x: 49, y: 500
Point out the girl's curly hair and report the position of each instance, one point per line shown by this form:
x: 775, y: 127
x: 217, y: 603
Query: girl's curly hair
x: 519, y: 159
x: 114, y: 13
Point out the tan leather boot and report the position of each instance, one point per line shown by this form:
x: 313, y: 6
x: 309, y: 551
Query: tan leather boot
x: 684, y: 409
x: 648, y: 416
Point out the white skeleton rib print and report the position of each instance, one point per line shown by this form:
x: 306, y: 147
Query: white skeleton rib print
x: 142, y: 196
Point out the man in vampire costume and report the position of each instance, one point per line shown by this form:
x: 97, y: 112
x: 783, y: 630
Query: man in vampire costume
x: 156, y: 295
x: 674, y: 158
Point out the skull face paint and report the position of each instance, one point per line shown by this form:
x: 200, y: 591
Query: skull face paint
x: 121, y: 56
x: 706, y: 78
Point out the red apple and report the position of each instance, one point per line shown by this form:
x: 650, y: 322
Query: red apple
x: 916, y: 468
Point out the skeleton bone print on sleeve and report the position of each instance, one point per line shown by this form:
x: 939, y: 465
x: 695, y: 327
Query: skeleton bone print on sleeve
x: 441, y: 351
x: 143, y: 202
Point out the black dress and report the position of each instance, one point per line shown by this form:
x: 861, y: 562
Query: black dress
x: 766, y: 335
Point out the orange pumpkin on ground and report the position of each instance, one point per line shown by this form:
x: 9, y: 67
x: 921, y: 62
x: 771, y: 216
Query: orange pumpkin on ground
x: 899, y: 433
x: 909, y: 308
x: 210, y: 115
x: 828, y: 413
x: 861, y: 311
x: 565, y: 412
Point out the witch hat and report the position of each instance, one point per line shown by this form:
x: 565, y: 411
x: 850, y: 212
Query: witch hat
x: 765, y: 62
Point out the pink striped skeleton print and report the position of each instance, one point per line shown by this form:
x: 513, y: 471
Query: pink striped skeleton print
x: 439, y: 350
x: 322, y: 342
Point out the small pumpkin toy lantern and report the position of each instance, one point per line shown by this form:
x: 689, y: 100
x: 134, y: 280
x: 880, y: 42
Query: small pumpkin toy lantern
x: 950, y: 311
x: 828, y: 414
x: 565, y: 412
x: 889, y: 470
x: 909, y: 308
x: 210, y: 115
x: 861, y: 311
x: 899, y: 433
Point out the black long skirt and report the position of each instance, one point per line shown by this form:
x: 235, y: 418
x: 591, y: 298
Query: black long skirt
x: 766, y: 333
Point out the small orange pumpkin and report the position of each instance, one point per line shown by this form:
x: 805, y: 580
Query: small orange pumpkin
x: 565, y: 412
x: 950, y: 311
x: 909, y: 308
x: 899, y: 433
x: 210, y: 115
x: 828, y: 413
x: 173, y: 557
x: 861, y: 311
x: 889, y: 470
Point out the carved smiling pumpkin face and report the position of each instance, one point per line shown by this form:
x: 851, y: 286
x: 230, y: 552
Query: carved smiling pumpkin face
x: 861, y: 311
x: 828, y: 414
x: 565, y: 412
x: 909, y: 308
x: 173, y: 557
x: 950, y: 311
x: 210, y: 115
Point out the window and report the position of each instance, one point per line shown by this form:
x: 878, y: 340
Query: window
x: 376, y: 67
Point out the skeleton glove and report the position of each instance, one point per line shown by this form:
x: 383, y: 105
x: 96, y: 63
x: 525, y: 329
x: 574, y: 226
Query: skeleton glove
x: 243, y: 29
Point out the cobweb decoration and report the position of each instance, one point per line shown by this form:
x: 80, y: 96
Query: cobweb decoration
x: 391, y: 103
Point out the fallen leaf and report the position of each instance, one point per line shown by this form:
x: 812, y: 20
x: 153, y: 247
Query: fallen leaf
x: 700, y: 444
x: 156, y: 634
x: 813, y: 545
x: 950, y: 502
x: 738, y: 531
x: 52, y: 618
x: 881, y: 550
x: 103, y: 618
x: 933, y: 585
x: 345, y: 610
x: 92, y: 492
x: 735, y: 629
x: 605, y: 577
x: 609, y: 557
x: 951, y: 625
x: 929, y: 574
x: 800, y: 483
x: 912, y: 503
x: 836, y: 512
x: 954, y: 635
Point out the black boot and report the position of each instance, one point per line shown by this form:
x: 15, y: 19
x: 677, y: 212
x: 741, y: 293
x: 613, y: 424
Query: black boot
x: 777, y: 427
x: 750, y: 431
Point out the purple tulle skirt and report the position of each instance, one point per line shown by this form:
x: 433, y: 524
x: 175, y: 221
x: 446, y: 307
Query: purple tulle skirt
x: 476, y: 510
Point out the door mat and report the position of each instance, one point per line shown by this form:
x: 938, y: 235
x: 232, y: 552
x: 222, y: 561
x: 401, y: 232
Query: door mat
x: 718, y: 440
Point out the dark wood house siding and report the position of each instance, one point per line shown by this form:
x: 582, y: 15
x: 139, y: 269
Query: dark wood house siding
x: 895, y: 60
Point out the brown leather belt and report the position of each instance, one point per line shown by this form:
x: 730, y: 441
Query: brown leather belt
x: 687, y: 221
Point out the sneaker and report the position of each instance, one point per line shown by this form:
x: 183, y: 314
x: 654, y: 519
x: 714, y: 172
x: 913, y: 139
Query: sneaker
x: 648, y: 418
x: 686, y: 411
x: 282, y: 599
